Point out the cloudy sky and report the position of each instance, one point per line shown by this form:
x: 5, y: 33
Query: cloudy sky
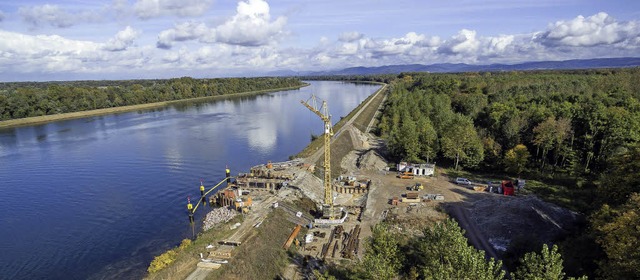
x: 122, y: 39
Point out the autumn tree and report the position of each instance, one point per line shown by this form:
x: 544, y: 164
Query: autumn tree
x: 516, y: 159
x: 618, y: 232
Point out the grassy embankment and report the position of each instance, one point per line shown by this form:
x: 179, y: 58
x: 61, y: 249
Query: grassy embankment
x: 260, y: 257
x: 121, y: 109
x: 361, y: 123
x: 187, y: 258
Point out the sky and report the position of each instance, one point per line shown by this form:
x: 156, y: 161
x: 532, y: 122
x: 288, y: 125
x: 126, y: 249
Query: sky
x: 131, y: 39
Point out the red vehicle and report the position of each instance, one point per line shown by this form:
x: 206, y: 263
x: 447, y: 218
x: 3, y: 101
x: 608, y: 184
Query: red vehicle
x: 508, y: 188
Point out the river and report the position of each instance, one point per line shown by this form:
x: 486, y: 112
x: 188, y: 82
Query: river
x: 99, y: 197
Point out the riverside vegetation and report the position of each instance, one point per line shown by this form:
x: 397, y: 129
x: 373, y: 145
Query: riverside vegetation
x: 32, y: 99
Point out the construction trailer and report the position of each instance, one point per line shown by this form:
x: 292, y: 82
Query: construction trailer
x: 417, y: 169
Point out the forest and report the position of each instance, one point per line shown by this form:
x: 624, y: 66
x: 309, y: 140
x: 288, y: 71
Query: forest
x: 31, y: 99
x: 578, y: 128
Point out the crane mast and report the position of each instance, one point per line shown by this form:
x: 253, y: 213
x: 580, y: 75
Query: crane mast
x: 323, y: 113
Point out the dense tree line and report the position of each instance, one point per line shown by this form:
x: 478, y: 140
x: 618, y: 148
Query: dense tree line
x: 582, y: 124
x: 572, y: 120
x: 29, y: 99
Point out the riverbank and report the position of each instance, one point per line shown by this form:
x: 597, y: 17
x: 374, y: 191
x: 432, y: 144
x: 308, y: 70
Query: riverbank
x: 317, y: 143
x: 265, y: 241
x: 123, y: 109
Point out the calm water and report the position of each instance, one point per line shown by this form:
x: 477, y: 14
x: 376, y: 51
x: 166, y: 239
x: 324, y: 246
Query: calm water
x: 98, y: 197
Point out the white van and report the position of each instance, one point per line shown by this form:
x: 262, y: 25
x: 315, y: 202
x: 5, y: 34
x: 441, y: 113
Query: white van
x: 463, y: 181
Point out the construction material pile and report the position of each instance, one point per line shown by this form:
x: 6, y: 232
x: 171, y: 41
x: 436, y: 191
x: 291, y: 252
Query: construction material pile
x: 218, y: 215
x: 371, y: 161
x: 509, y: 217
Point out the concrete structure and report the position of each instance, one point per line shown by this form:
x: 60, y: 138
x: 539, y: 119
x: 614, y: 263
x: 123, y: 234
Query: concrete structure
x: 423, y: 169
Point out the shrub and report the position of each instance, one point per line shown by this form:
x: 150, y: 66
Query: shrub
x: 163, y: 261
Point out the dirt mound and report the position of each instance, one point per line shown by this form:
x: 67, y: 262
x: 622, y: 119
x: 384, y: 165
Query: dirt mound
x: 503, y: 218
x: 371, y: 161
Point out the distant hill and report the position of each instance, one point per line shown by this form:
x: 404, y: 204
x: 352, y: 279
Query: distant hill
x: 462, y: 67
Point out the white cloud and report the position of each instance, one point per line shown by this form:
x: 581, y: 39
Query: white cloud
x: 251, y: 26
x: 146, y: 9
x: 464, y: 42
x: 55, y: 16
x: 53, y: 54
x: 350, y: 36
x: 184, y: 32
x: 595, y: 30
x: 497, y: 45
x: 249, y: 41
x: 44, y: 53
x: 122, y: 40
x: 51, y: 14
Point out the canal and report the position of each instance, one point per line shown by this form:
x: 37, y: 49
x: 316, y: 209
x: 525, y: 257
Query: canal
x: 99, y: 197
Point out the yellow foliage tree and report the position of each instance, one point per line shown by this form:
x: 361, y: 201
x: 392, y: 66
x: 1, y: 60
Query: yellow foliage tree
x: 516, y: 159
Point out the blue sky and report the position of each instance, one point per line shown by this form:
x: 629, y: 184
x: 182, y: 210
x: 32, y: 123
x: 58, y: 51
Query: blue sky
x: 122, y: 39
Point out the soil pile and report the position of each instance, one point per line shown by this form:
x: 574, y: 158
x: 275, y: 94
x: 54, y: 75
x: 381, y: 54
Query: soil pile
x: 371, y: 161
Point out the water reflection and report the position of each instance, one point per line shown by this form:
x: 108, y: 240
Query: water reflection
x: 107, y: 193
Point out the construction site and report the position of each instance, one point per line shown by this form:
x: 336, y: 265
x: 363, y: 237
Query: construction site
x: 320, y: 207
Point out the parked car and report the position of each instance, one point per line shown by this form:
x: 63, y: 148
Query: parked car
x: 463, y: 181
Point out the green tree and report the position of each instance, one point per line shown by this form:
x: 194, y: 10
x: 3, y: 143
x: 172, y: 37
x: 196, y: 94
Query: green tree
x: 515, y: 160
x: 545, y: 138
x: 546, y: 265
x: 618, y: 232
x: 323, y: 276
x: 446, y: 255
x: 622, y: 178
x: 409, y: 139
x: 382, y: 259
x: 428, y: 139
x: 460, y: 142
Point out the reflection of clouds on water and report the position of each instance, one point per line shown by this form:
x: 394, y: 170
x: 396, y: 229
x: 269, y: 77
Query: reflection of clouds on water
x: 173, y: 156
x: 262, y: 135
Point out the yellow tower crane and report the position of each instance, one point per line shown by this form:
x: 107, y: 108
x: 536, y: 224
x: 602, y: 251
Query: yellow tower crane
x: 323, y: 113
